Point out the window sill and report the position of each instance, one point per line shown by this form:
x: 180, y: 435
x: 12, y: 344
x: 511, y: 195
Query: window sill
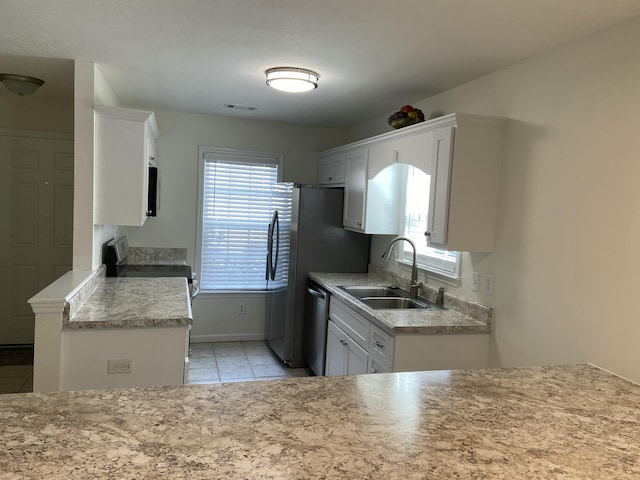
x: 442, y: 277
x: 230, y: 293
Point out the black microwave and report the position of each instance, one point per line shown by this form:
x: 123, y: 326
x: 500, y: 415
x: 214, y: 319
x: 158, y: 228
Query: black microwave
x: 152, y: 200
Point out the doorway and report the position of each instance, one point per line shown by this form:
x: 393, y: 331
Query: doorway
x: 36, y: 212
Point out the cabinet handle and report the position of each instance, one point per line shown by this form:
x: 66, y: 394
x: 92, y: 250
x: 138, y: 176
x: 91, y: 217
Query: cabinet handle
x: 343, y: 342
x: 378, y: 344
x: 329, y: 178
x: 359, y: 224
x: 427, y: 234
x: 373, y: 370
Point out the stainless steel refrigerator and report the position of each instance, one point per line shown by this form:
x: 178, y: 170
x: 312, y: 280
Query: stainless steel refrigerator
x: 308, y: 238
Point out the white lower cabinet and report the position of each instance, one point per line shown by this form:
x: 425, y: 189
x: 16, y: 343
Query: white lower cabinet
x: 344, y: 355
x: 355, y: 346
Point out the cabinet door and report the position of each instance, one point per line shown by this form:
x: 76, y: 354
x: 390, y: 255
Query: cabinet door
x: 381, y: 345
x: 357, y: 358
x: 125, y: 141
x: 438, y: 216
x: 331, y: 170
x: 413, y: 149
x: 344, y: 355
x: 336, y: 361
x: 355, y: 189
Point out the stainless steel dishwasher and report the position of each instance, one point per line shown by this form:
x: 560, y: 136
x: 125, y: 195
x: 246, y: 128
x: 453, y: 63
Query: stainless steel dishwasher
x: 315, y: 326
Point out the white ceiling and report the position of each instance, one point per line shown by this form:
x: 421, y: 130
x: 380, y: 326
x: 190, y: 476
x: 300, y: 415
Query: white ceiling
x: 373, y: 56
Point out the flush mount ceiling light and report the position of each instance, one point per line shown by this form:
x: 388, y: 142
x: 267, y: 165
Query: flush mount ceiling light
x: 20, y: 84
x: 289, y: 79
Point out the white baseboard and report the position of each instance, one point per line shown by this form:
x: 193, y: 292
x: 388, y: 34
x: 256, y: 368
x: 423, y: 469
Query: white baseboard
x: 242, y: 337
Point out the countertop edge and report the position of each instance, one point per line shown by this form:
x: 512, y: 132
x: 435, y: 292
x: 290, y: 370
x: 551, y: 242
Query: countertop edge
x: 97, y: 312
x: 138, y: 323
x: 471, y: 325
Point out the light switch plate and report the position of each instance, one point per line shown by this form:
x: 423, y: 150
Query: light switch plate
x: 475, y: 281
x: 488, y: 284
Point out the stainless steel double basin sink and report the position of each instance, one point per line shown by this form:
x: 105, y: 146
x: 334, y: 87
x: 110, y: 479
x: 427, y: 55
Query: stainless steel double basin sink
x: 388, y: 298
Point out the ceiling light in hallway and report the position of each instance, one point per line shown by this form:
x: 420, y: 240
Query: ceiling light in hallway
x: 20, y: 84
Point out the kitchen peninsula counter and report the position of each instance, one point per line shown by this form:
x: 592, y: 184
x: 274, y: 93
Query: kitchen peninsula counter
x: 461, y: 316
x: 86, y: 323
x: 135, y: 302
x: 576, y: 422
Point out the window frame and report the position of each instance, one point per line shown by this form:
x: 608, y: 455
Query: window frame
x: 404, y: 255
x: 236, y: 155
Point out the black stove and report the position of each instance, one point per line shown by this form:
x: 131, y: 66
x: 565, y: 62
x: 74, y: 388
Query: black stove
x: 116, y: 260
x: 137, y: 270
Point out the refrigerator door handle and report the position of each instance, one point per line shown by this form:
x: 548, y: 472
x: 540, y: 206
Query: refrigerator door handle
x: 268, y: 268
x: 274, y: 266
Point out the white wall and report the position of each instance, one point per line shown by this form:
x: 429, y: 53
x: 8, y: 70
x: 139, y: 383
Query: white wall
x: 175, y: 226
x: 32, y: 112
x: 567, y: 253
x: 90, y: 88
x: 28, y: 112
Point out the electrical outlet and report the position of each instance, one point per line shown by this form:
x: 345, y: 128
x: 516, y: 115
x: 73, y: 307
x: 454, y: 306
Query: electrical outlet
x: 242, y: 309
x: 475, y: 281
x: 119, y: 366
x: 488, y: 284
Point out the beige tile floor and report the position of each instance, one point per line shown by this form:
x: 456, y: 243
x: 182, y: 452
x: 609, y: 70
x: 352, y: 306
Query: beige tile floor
x: 209, y: 363
x: 237, y: 362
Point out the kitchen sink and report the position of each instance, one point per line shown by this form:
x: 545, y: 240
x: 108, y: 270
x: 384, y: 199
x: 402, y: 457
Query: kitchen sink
x: 394, y: 303
x: 367, y: 291
x: 388, y: 298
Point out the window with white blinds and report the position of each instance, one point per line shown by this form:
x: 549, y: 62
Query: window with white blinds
x: 415, y: 224
x: 239, y: 192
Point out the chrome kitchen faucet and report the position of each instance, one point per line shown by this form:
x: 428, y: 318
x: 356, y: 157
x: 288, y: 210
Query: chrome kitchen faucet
x: 415, y: 285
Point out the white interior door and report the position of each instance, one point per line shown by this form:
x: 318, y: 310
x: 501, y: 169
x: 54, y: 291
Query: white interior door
x: 36, y: 211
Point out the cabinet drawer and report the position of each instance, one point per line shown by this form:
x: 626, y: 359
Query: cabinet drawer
x: 381, y: 346
x: 377, y: 367
x: 355, y: 325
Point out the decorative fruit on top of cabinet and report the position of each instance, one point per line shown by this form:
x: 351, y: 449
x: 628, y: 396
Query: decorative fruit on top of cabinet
x: 406, y: 116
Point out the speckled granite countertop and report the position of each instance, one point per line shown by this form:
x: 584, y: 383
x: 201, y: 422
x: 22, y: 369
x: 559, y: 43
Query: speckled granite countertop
x: 540, y: 423
x: 135, y: 302
x: 461, y: 316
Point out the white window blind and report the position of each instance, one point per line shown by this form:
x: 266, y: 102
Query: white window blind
x: 239, y: 196
x: 415, y: 224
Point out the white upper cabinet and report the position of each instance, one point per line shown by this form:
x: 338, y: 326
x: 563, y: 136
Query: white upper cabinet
x: 370, y: 205
x: 461, y: 155
x: 465, y: 176
x: 331, y: 169
x: 125, y: 142
x: 355, y: 192
x: 412, y: 148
